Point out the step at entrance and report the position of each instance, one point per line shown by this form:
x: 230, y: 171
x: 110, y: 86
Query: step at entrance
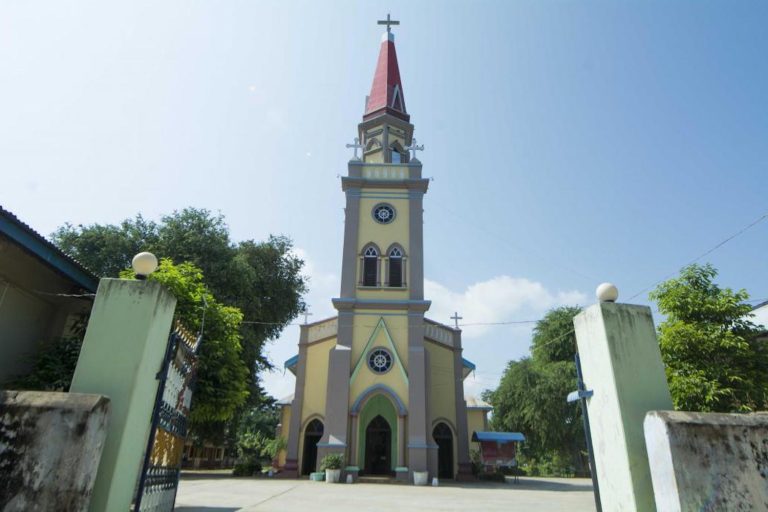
x: 376, y: 479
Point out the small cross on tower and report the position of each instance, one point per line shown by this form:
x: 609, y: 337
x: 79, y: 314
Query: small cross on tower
x: 456, y: 318
x: 388, y: 22
x: 414, y: 147
x: 357, y: 146
x: 306, y: 314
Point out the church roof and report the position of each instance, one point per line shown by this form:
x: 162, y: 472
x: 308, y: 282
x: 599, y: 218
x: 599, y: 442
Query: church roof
x: 475, y: 403
x: 387, y: 90
x: 286, y: 400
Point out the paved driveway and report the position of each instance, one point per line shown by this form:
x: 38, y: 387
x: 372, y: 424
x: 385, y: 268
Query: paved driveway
x: 220, y: 493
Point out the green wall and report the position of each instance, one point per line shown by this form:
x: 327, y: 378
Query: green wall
x: 377, y: 405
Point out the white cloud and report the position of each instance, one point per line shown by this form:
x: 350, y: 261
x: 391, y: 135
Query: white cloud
x: 499, y: 299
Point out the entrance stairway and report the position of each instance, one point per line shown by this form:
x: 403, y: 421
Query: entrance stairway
x: 379, y: 479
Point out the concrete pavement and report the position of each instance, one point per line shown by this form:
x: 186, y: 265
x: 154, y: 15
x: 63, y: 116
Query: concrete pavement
x: 222, y: 493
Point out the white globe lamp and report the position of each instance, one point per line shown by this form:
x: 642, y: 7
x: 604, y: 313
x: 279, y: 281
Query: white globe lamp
x: 144, y: 264
x: 607, y: 292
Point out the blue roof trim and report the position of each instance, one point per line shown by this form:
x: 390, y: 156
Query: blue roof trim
x: 35, y: 243
x: 468, y: 364
x: 290, y: 363
x: 501, y: 437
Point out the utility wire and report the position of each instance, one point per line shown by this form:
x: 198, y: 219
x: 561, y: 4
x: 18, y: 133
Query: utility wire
x: 707, y: 252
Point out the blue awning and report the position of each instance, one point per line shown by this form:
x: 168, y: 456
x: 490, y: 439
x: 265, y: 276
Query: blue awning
x: 501, y: 437
x: 468, y: 364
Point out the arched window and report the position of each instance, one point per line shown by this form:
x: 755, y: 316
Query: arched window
x: 395, y: 267
x: 397, y: 155
x: 370, y: 267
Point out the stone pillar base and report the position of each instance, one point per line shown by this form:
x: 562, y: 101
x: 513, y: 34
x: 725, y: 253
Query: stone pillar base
x: 290, y: 470
x: 354, y: 471
x: 465, y: 472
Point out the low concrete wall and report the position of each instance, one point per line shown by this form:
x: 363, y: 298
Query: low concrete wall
x: 50, y: 447
x: 708, y: 461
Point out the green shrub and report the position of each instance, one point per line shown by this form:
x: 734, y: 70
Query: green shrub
x: 246, y: 468
x: 332, y: 461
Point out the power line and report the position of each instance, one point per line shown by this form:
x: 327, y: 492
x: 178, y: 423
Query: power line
x: 707, y: 252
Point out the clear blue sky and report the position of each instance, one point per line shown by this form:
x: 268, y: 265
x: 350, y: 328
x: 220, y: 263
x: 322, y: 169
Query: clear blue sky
x: 570, y: 142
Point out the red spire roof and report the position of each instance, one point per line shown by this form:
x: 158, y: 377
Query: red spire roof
x: 387, y: 91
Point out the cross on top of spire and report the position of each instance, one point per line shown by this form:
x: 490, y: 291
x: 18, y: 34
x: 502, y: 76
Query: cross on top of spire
x: 388, y: 22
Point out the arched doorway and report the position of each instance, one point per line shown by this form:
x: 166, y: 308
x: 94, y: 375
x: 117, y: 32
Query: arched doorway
x: 312, y: 435
x: 378, y: 447
x: 444, y: 438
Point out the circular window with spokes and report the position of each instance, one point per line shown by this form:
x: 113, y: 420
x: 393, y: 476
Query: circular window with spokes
x: 383, y: 213
x: 379, y: 360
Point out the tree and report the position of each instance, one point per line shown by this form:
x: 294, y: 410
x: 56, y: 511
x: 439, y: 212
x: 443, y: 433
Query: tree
x: 262, y: 279
x: 531, y: 398
x: 221, y: 385
x: 714, y: 359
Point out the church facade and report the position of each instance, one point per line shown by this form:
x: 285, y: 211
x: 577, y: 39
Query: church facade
x: 380, y: 383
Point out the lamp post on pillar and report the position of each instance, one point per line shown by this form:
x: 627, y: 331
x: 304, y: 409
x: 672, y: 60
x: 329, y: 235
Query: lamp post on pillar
x: 144, y: 264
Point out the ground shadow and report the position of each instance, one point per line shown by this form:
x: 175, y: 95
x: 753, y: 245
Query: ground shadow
x: 526, y: 484
x: 205, y: 509
x: 207, y: 474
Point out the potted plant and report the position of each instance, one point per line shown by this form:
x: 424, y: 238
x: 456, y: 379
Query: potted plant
x: 332, y: 464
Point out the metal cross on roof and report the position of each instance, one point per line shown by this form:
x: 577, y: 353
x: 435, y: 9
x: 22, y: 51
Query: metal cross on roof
x: 414, y: 147
x: 388, y: 22
x: 306, y: 314
x: 357, y: 146
x: 456, y: 318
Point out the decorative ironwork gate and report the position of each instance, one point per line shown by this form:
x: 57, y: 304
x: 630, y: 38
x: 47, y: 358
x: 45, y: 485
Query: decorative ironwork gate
x: 159, y: 477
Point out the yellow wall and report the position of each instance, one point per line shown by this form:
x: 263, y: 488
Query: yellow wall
x: 384, y: 235
x: 285, y: 421
x: 363, y: 327
x: 475, y: 423
x: 316, y: 379
x: 442, y: 391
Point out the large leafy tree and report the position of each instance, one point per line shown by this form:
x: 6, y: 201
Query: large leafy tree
x: 714, y: 359
x: 221, y: 387
x: 531, y: 397
x: 262, y: 279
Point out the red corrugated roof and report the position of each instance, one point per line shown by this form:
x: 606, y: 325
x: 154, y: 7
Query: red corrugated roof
x: 387, y: 90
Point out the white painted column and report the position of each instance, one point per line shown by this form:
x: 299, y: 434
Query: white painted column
x: 622, y: 364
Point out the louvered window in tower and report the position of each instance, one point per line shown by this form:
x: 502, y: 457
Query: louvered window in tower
x: 370, y: 267
x: 395, y: 267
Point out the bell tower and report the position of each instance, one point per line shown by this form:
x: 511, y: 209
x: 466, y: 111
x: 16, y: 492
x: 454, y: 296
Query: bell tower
x: 381, y: 302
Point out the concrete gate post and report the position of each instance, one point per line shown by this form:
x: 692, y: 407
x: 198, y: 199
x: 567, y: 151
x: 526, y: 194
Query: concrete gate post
x: 121, y: 355
x: 622, y: 365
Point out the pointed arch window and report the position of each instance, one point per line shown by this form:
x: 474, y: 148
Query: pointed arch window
x: 396, y: 267
x: 370, y: 273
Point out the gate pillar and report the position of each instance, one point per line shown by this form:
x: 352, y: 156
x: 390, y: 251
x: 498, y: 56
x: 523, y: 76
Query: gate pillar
x: 121, y: 355
x: 622, y: 365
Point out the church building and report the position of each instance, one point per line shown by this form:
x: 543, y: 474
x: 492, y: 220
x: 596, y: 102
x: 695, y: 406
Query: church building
x: 380, y: 383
